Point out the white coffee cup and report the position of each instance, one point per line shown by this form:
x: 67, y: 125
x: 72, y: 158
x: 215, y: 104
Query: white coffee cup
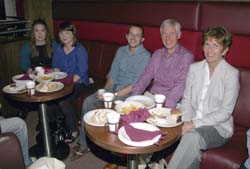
x: 108, y: 99
x: 101, y: 91
x: 113, y: 121
x: 39, y: 70
x: 159, y: 100
x: 30, y: 87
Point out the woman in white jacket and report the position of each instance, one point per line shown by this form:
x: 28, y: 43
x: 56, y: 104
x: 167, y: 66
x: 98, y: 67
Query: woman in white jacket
x: 211, y: 91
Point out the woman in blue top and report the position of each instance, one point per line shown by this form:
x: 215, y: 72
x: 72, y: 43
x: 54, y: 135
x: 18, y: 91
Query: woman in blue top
x: 37, y: 51
x: 71, y: 58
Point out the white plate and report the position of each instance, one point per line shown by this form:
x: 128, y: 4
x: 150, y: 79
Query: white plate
x: 49, y: 87
x: 147, y: 101
x: 89, y: 117
x: 162, y: 117
x: 13, y: 88
x: 59, y: 75
x: 128, y: 106
x: 123, y: 137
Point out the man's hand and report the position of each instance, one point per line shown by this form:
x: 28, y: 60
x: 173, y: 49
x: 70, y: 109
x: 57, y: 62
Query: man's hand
x: 187, y: 126
x: 99, y: 96
x: 56, y: 70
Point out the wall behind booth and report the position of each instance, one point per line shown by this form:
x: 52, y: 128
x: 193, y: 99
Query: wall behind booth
x: 107, y: 22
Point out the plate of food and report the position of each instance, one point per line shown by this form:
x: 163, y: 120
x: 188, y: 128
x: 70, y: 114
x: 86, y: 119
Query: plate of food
x: 49, y: 87
x: 128, y: 106
x: 164, y: 117
x: 44, y: 78
x: 97, y: 117
x: 123, y: 137
x: 59, y: 75
x: 14, y: 88
x: 148, y: 102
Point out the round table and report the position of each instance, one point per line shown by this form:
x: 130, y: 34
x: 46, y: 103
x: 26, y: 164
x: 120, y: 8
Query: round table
x: 107, y: 140
x: 42, y: 98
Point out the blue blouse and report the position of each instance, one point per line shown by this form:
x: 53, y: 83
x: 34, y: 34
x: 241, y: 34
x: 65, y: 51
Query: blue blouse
x: 73, y: 63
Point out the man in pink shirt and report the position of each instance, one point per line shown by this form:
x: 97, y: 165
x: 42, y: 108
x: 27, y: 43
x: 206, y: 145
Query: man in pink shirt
x: 168, y: 66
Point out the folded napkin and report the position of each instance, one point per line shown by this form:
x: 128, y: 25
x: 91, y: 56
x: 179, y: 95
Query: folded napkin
x: 67, y: 80
x: 139, y: 115
x: 24, y: 77
x: 141, y: 135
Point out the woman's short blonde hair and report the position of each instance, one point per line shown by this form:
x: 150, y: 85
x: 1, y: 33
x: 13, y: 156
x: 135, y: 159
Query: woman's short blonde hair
x: 220, y: 34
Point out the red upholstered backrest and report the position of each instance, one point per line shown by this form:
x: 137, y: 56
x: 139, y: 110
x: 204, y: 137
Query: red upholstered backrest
x: 111, y: 22
x: 234, y: 16
x: 99, y: 31
x: 11, y: 156
x: 115, y: 33
x: 239, y: 53
x: 192, y: 41
x: 242, y: 109
x: 143, y: 13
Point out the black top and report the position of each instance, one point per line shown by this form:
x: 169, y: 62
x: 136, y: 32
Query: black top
x: 42, y: 59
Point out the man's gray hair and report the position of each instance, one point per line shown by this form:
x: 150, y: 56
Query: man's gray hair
x: 171, y: 22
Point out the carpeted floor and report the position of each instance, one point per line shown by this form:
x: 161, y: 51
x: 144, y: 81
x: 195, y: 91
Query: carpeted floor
x: 92, y: 160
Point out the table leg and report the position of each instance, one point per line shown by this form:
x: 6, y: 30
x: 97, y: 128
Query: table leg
x: 132, y: 161
x: 45, y: 129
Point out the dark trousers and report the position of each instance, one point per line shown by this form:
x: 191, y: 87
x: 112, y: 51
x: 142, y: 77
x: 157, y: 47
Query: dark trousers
x: 67, y: 107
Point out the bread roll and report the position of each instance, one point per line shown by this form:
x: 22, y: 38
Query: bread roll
x: 99, y: 117
x: 175, y: 114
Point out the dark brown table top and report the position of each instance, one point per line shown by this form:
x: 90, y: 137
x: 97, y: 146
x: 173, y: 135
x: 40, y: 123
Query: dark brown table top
x: 42, y: 97
x: 107, y: 140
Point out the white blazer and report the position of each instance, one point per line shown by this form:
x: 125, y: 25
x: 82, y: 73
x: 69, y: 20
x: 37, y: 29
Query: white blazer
x: 220, y: 98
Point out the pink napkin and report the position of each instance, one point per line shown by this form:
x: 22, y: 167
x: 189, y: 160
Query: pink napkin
x: 139, y: 115
x: 141, y: 135
x: 67, y: 80
x: 25, y: 77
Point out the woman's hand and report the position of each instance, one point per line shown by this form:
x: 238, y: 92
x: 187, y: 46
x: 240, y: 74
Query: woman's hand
x: 187, y: 126
x: 30, y: 71
x: 76, y: 78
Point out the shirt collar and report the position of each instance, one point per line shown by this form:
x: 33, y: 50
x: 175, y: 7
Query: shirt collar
x: 138, y: 50
x: 176, y: 50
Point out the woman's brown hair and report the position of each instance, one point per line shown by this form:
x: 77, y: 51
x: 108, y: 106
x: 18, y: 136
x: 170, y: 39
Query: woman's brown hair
x: 68, y: 26
x: 34, y: 51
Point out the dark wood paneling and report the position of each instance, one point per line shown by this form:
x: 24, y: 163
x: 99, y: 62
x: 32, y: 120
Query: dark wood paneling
x: 9, y: 66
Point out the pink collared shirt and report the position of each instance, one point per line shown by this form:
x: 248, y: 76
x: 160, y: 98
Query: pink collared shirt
x: 168, y: 73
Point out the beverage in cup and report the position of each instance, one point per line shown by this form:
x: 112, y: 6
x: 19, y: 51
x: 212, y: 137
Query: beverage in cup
x: 30, y: 87
x: 159, y: 100
x: 108, y: 100
x: 113, y: 121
